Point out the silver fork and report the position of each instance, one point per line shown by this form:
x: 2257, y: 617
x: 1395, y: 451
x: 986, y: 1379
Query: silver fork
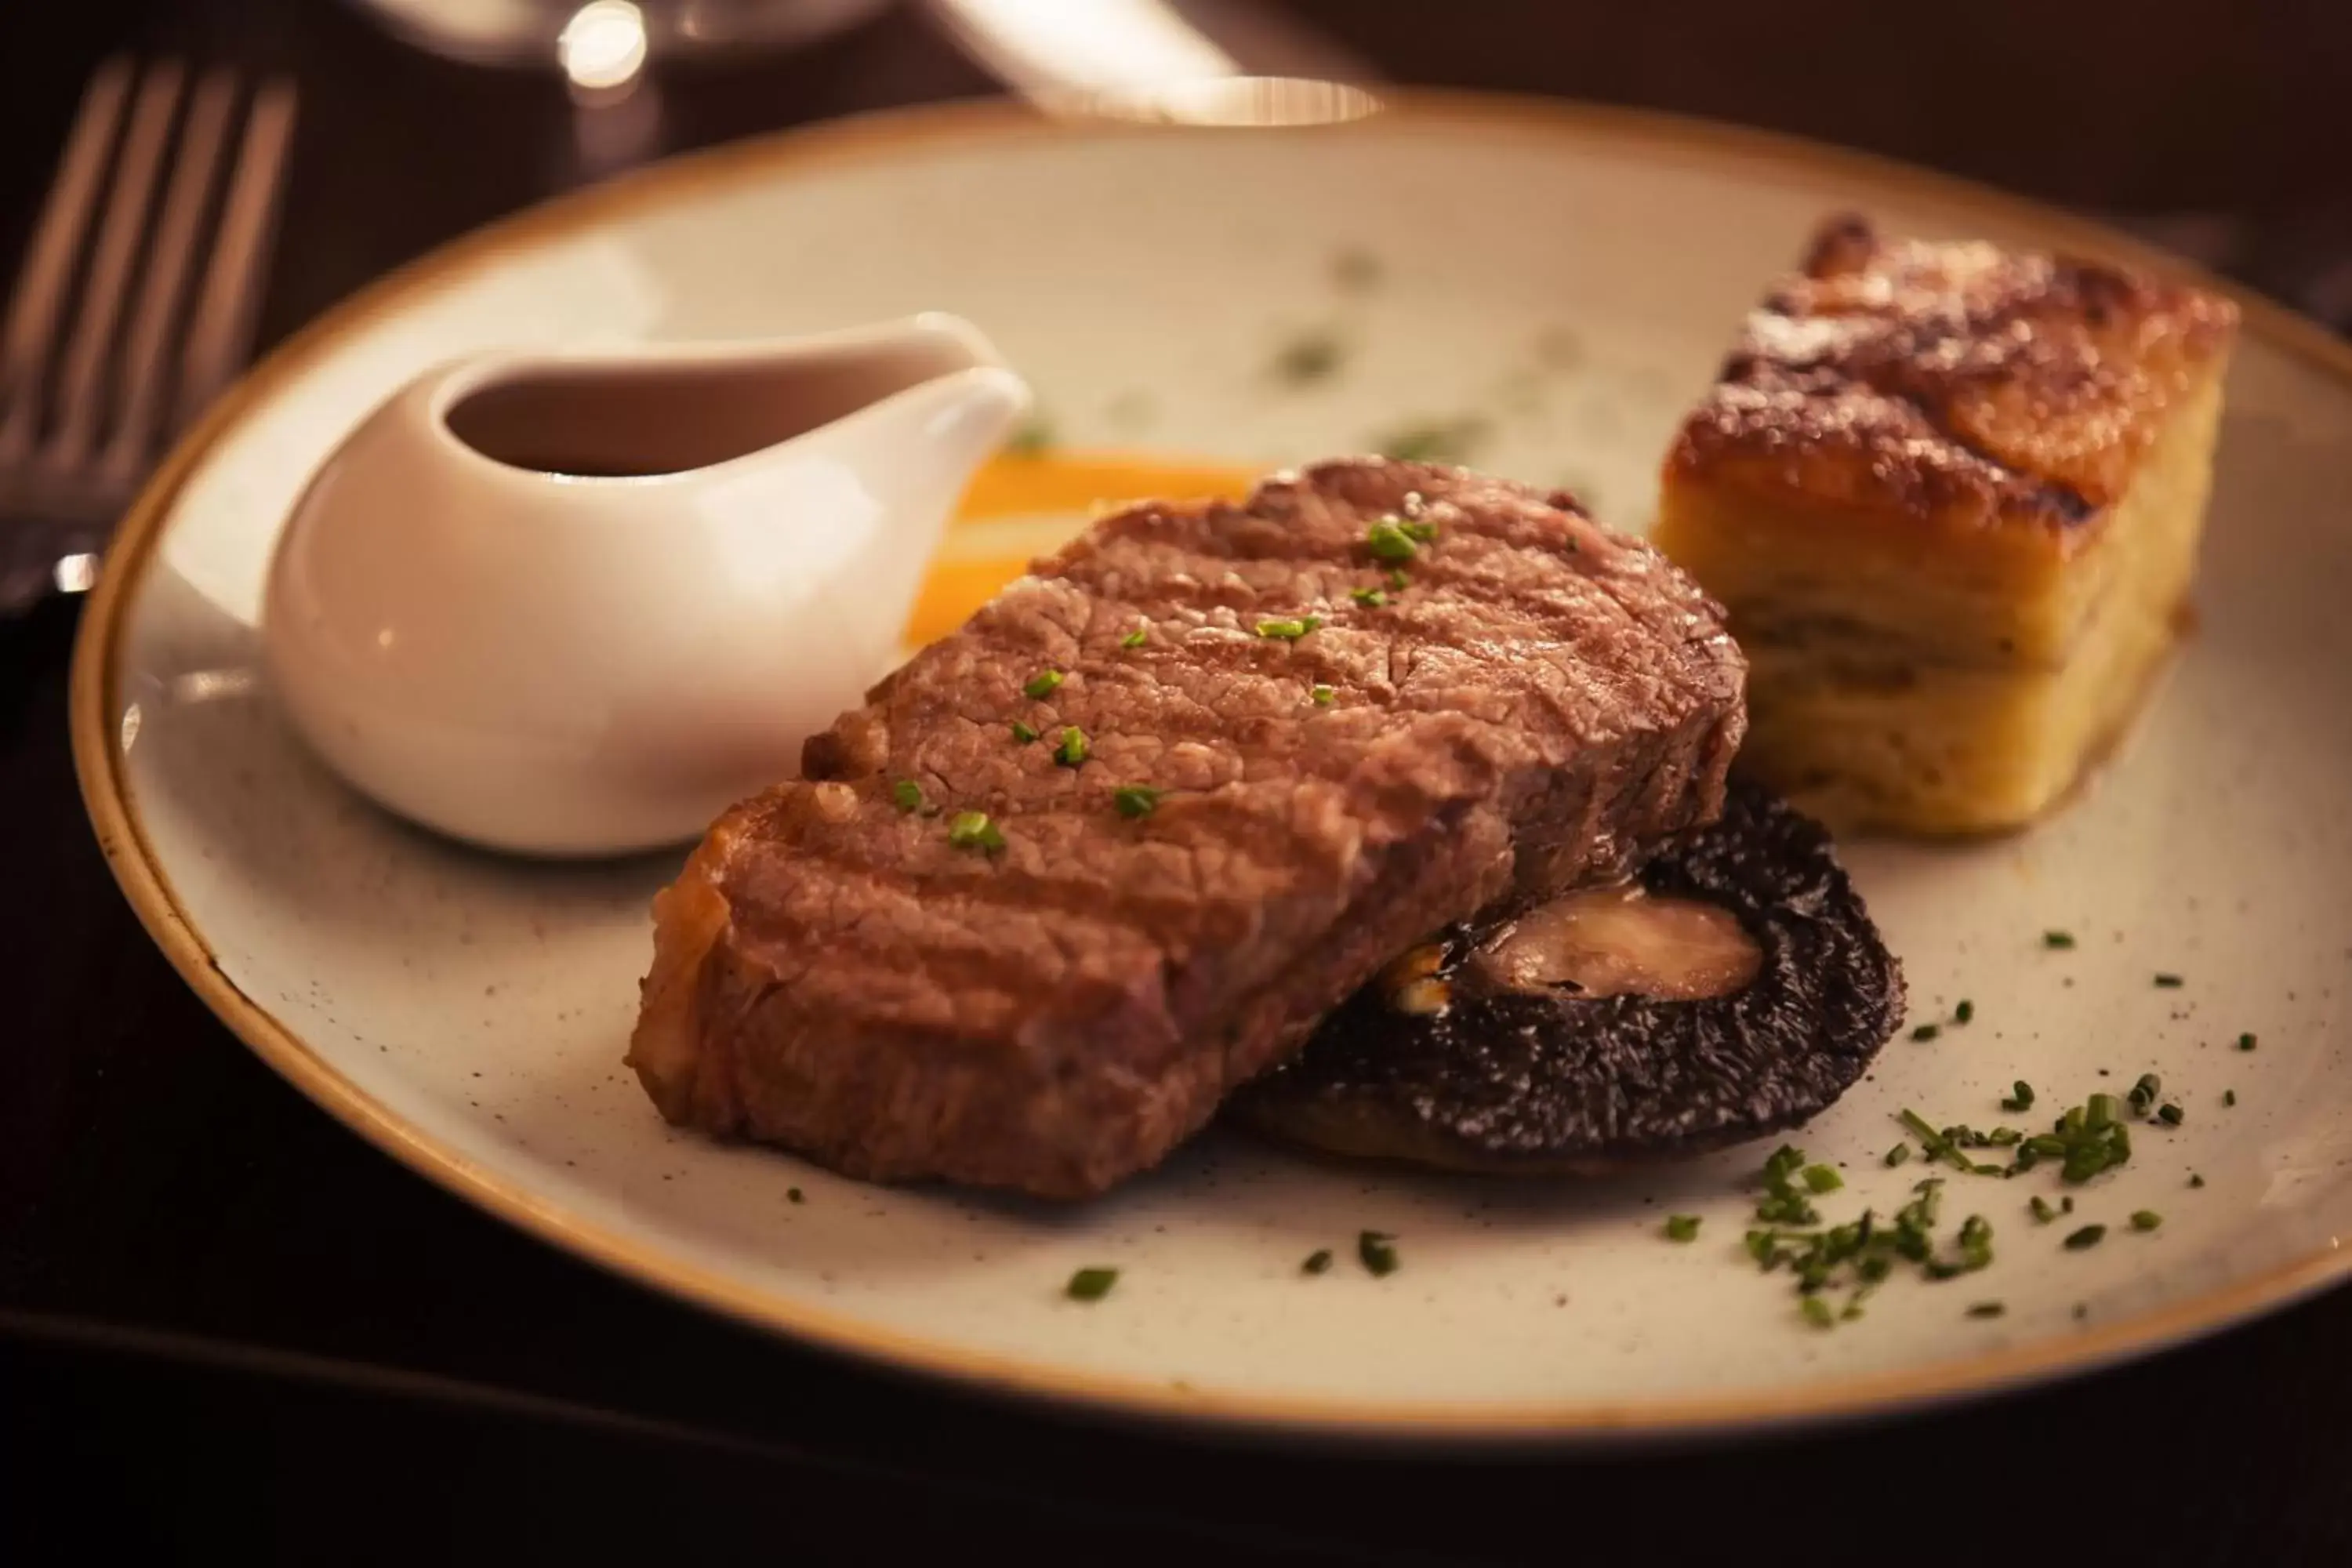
x: 138, y: 210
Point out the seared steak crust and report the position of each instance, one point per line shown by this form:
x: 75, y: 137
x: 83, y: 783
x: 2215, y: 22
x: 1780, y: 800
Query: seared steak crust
x: 1539, y: 703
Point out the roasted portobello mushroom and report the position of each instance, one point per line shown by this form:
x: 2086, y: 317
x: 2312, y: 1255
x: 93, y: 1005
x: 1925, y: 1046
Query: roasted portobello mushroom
x: 1736, y: 988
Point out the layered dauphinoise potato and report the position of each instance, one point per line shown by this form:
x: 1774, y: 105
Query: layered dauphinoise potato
x: 1950, y: 497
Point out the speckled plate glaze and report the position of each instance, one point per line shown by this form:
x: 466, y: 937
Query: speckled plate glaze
x: 1570, y: 276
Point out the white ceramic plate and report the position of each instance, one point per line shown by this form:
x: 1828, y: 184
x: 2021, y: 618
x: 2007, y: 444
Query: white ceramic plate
x: 469, y: 1013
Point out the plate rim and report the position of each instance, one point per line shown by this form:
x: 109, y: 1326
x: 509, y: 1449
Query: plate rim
x: 107, y: 798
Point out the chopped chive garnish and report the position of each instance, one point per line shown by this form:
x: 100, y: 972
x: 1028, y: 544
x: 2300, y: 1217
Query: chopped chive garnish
x: 2170, y: 1114
x: 1092, y: 1284
x: 1976, y: 1242
x: 1388, y: 541
x: 973, y: 830
x: 1965, y: 1013
x: 1897, y: 1155
x: 1135, y: 801
x: 1682, y: 1227
x: 1324, y: 696
x: 1074, y: 748
x: 1290, y: 630
x: 1378, y: 1251
x: 1987, y: 1309
x: 1043, y: 684
x: 2057, y: 939
x: 2229, y: 1097
x: 2102, y: 1110
x: 1817, y: 1311
x: 1782, y: 1203
x: 1437, y: 441
x: 2144, y: 1092
x: 1397, y: 580
x: 1937, y: 1145
x: 2245, y: 1042
x: 2021, y: 1097
x: 2090, y: 1236
x: 907, y: 795
x: 1418, y: 531
x: 2146, y: 1219
x: 2041, y: 1210
x: 2169, y: 982
x: 1023, y: 732
x: 1034, y: 436
x: 1926, y: 1031
x: 1134, y: 638
x: 1309, y: 356
x: 1371, y: 598
x: 1316, y: 1261
x: 1823, y: 1179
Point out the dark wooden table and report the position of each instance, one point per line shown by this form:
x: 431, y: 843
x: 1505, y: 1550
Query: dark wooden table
x: 227, y: 1323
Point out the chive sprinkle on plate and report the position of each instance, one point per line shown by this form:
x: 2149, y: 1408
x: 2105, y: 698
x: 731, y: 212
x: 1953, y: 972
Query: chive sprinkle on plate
x: 1091, y: 1284
x: 1043, y: 684
x: 1682, y: 1227
x: 1135, y: 802
x: 1378, y: 1251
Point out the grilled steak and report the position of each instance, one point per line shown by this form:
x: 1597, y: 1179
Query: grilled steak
x: 1375, y: 698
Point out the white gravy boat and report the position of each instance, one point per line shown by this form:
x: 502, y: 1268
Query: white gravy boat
x: 568, y: 604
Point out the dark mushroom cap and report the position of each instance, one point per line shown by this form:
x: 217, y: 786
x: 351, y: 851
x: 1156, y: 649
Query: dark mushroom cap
x: 1513, y: 1082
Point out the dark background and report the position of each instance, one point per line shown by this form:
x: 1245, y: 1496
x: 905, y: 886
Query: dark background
x: 226, y: 1324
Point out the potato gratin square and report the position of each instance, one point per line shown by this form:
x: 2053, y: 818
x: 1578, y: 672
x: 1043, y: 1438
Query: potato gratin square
x: 1950, y: 495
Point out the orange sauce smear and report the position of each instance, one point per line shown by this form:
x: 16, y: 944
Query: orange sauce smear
x: 1073, y: 486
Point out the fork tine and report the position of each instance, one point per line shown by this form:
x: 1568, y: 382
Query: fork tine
x: 171, y: 258
x: 222, y: 327
x: 48, y: 265
x: 82, y: 383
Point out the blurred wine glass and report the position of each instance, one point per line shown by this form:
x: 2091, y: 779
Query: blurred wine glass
x: 609, y: 41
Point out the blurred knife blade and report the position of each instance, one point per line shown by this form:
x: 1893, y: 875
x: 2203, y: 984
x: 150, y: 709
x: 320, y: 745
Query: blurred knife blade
x: 1226, y: 62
